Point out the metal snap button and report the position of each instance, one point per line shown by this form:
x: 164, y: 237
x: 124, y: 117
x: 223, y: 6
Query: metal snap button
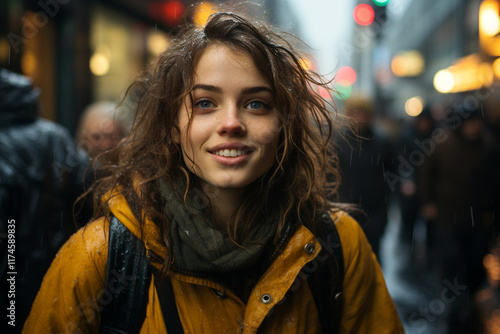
x: 266, y: 298
x: 309, y: 248
x: 220, y: 294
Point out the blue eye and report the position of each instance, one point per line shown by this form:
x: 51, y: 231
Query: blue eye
x: 255, y: 105
x: 204, y: 104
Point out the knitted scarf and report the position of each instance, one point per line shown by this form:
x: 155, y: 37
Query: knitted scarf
x: 198, y: 246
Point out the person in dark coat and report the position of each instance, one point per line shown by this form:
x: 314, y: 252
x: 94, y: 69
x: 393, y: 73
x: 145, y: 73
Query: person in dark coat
x: 363, y: 161
x: 414, y: 146
x: 41, y: 175
x: 455, y: 196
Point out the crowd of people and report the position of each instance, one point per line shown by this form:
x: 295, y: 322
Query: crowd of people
x: 440, y: 169
x: 228, y: 189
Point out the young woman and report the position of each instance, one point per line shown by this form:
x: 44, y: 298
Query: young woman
x: 223, y: 180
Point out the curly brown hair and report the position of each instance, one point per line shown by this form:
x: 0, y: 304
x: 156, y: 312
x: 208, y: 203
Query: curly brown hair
x: 296, y: 184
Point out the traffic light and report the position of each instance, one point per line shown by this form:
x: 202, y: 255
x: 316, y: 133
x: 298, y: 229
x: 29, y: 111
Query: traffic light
x: 363, y: 14
x: 381, y: 3
x: 169, y: 13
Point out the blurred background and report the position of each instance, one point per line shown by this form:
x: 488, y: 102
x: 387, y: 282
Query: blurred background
x: 403, y: 53
x: 409, y: 58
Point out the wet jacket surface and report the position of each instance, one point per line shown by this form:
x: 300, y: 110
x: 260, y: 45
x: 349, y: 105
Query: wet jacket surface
x: 41, y: 174
x: 73, y: 291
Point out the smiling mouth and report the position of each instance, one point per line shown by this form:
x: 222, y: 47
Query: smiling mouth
x: 231, y: 153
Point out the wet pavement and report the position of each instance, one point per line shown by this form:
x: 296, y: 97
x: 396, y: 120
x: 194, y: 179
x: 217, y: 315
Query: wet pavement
x: 422, y: 298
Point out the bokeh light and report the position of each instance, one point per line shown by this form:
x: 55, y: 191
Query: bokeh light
x: 342, y: 91
x: 407, y: 63
x: 172, y: 12
x: 203, y: 12
x: 363, y: 14
x: 346, y: 75
x: 496, y: 67
x: 414, y: 106
x: 444, y: 81
x: 381, y: 3
x: 99, y: 64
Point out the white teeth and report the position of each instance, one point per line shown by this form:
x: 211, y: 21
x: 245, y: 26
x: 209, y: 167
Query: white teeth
x: 229, y: 153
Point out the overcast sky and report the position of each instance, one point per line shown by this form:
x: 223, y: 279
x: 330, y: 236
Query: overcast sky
x: 325, y: 24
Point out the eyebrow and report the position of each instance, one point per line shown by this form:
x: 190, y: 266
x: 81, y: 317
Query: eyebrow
x: 249, y: 90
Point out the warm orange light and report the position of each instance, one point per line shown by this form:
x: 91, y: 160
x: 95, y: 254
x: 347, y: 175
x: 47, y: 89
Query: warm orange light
x: 99, y: 64
x: 485, y: 74
x: 203, y: 12
x: 496, y: 68
x: 414, y: 106
x: 157, y: 42
x: 306, y: 64
x: 29, y: 64
x: 489, y: 27
x: 444, y: 81
x: 469, y: 73
x: 407, y: 63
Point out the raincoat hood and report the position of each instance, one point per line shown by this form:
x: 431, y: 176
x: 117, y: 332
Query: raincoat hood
x: 18, y: 99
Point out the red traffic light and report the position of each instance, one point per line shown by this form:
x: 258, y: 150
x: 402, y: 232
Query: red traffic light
x: 169, y: 12
x: 363, y: 14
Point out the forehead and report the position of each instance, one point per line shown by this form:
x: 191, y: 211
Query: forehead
x: 221, y: 64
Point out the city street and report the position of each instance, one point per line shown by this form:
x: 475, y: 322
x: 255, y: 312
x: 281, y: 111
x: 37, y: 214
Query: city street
x: 417, y: 292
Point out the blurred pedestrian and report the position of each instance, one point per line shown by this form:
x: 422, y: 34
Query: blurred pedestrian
x: 413, y: 147
x: 363, y: 161
x: 100, y: 129
x: 455, y: 196
x: 41, y: 174
x: 221, y: 185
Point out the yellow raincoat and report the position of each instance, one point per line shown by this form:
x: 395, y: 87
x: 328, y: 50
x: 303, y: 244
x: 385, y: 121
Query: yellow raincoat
x: 73, y: 288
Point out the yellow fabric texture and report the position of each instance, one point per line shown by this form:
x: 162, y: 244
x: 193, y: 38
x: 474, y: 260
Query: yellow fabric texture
x: 73, y: 290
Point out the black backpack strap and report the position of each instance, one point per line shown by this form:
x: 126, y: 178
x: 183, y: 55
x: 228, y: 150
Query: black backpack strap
x: 128, y: 277
x: 326, y: 282
x: 168, y: 306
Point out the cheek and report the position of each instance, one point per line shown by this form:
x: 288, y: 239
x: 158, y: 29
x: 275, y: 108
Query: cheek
x: 192, y: 139
x: 269, y: 133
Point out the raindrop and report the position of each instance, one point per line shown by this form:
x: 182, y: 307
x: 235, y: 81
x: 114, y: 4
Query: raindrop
x: 412, y: 241
x: 472, y: 216
x: 350, y: 159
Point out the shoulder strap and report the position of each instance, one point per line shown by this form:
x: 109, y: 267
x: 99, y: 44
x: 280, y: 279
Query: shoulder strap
x: 127, y: 280
x: 329, y: 275
x: 168, y: 305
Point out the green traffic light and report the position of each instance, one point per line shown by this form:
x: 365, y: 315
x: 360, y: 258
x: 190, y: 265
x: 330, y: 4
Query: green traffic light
x: 381, y: 3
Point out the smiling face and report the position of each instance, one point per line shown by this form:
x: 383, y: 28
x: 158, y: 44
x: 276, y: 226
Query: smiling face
x: 233, y: 136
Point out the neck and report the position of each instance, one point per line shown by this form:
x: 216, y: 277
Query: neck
x: 224, y: 204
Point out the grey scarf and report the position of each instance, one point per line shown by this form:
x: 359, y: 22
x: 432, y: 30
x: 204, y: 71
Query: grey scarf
x: 197, y: 246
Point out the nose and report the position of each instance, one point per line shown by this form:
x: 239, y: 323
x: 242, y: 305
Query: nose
x: 231, y: 122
